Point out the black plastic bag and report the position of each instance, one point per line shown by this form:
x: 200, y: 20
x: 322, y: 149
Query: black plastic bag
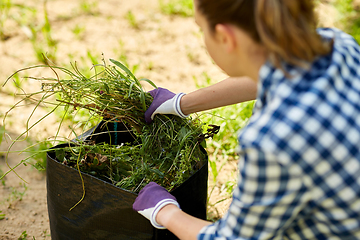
x: 106, y: 211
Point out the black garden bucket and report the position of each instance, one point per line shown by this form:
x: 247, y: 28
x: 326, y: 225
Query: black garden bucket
x: 106, y: 211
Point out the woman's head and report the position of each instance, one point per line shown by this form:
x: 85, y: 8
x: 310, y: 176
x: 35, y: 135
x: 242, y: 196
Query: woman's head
x: 286, y: 28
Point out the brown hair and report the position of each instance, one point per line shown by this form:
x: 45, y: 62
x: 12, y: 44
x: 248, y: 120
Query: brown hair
x: 287, y: 28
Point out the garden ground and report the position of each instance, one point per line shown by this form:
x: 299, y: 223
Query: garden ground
x: 166, y: 48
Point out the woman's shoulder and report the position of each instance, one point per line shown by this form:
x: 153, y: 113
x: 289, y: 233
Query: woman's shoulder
x: 345, y: 47
x: 336, y: 35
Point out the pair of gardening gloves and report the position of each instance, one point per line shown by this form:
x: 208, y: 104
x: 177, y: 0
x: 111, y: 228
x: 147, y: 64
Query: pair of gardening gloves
x: 152, y: 198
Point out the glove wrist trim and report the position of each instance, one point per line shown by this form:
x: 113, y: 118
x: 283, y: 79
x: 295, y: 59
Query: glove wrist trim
x: 158, y: 207
x: 177, y: 107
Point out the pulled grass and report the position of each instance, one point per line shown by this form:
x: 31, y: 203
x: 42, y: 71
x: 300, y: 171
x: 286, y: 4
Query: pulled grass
x: 167, y: 151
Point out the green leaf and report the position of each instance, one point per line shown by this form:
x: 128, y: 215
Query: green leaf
x: 130, y: 88
x: 60, y: 154
x: 116, y: 177
x: 107, y: 88
x: 39, y: 167
x: 123, y: 67
x: 184, y: 133
x: 213, y: 169
x: 148, y: 81
x: 2, y: 215
x: 121, y: 75
x: 2, y: 132
x: 142, y: 99
x: 203, y: 144
x: 157, y: 172
x: 247, y: 111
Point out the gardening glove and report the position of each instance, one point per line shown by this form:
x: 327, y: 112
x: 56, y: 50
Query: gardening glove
x: 165, y: 102
x: 151, y: 199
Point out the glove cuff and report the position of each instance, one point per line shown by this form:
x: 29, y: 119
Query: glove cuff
x: 157, y: 208
x: 177, y: 108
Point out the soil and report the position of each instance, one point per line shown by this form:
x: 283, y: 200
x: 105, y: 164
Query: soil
x: 168, y: 49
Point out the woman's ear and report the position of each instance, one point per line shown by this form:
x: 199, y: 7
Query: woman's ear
x: 225, y: 34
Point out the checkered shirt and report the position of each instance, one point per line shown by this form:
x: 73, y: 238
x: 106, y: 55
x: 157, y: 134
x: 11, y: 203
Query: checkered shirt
x: 300, y: 153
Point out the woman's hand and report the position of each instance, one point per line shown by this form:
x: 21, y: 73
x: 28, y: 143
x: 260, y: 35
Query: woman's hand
x: 151, y: 199
x: 161, y: 208
x: 165, y: 102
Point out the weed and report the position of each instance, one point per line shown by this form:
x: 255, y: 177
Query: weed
x: 177, y: 7
x: 39, y: 154
x: 2, y: 180
x: 192, y: 57
x: 10, y: 11
x: 229, y: 186
x: 150, y: 66
x: 350, y: 21
x: 87, y: 60
x: 46, y: 30
x: 24, y: 236
x: 81, y: 116
x: 94, y: 59
x: 78, y: 31
x: 46, y: 234
x: 2, y: 215
x: 44, y: 44
x: 5, y: 6
x: 2, y: 133
x: 89, y: 8
x: 17, y: 81
x: 130, y: 17
x: 166, y: 151
x: 16, y: 194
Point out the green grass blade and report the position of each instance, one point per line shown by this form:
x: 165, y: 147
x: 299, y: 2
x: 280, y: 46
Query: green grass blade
x: 149, y: 81
x: 123, y: 67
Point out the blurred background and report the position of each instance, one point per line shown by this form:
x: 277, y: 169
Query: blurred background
x: 155, y: 39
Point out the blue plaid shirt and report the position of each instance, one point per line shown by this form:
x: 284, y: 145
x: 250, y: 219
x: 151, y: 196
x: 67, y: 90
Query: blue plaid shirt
x: 300, y: 153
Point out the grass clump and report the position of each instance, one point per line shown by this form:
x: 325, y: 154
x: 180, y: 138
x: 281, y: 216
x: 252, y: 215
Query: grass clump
x: 11, y: 12
x: 130, y: 17
x: 349, y: 17
x: 183, y: 8
x: 166, y: 151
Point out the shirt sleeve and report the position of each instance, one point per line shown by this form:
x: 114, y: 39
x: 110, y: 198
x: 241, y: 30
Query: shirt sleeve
x: 270, y: 194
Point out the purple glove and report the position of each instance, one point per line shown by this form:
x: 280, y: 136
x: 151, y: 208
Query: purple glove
x: 165, y: 102
x: 151, y: 199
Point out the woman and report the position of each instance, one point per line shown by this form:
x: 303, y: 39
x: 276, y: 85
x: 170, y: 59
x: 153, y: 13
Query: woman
x: 300, y: 153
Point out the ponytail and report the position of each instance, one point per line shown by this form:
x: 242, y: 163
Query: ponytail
x: 287, y: 29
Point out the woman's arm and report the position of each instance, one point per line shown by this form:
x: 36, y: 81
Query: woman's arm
x: 180, y: 223
x: 229, y: 91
